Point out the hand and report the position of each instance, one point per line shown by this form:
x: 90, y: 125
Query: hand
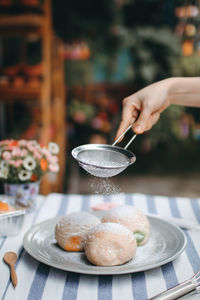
x: 144, y: 107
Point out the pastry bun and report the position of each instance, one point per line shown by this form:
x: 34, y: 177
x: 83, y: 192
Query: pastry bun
x: 132, y: 218
x: 71, y: 230
x: 110, y: 244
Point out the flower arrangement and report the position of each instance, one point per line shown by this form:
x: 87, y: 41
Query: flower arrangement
x: 24, y: 161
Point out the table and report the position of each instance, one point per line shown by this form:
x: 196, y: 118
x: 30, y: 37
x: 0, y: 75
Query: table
x: 39, y: 281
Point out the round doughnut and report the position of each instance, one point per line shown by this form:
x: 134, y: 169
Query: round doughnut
x: 110, y: 244
x: 71, y: 230
x: 132, y: 218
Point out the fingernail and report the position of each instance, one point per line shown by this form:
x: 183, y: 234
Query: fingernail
x: 138, y: 128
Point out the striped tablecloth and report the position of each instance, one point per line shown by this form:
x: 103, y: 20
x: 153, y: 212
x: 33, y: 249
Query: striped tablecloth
x: 39, y: 281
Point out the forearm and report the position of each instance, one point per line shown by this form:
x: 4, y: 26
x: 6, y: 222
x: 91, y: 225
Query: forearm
x: 184, y: 91
x: 145, y: 106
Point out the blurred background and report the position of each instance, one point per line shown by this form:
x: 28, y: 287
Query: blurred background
x: 66, y: 67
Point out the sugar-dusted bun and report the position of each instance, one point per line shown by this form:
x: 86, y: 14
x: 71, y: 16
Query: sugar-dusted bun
x: 71, y: 230
x: 132, y: 218
x: 110, y: 244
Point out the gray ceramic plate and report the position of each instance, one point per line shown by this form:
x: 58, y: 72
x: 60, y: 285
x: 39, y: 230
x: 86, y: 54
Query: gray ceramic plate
x: 166, y: 242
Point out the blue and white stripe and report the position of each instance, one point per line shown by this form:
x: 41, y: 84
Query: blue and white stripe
x: 39, y: 281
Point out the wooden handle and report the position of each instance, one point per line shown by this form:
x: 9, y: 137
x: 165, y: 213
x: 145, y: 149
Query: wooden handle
x: 13, y: 276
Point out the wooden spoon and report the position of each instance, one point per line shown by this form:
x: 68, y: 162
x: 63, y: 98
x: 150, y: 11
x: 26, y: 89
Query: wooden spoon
x: 10, y: 259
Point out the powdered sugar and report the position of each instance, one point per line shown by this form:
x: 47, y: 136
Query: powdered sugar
x: 77, y: 222
x: 124, y: 211
x: 104, y: 186
x: 130, y: 217
x: 103, y: 162
x: 165, y: 243
x: 111, y: 228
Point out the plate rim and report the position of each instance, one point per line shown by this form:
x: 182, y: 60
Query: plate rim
x: 104, y: 270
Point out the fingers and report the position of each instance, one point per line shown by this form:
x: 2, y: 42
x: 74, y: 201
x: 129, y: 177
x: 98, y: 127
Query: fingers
x: 143, y: 121
x: 122, y: 127
x: 129, y: 115
x: 155, y: 118
x: 145, y: 115
x: 152, y: 120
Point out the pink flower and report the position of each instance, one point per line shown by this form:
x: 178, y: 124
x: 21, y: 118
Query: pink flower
x: 22, y: 143
x: 46, y: 152
x: 37, y: 154
x: 52, y: 159
x: 20, y: 157
x: 16, y: 151
x: 15, y: 163
x: 54, y: 167
x: 5, y: 142
x: 12, y: 162
x: 30, y: 147
x: 9, y: 147
x: 6, y: 155
x: 24, y: 152
x: 18, y: 163
x: 31, y: 144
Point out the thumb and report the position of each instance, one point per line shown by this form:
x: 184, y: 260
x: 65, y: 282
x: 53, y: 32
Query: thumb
x: 142, y: 121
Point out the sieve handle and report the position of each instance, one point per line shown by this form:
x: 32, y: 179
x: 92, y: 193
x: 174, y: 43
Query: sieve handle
x: 133, y: 137
x: 123, y: 133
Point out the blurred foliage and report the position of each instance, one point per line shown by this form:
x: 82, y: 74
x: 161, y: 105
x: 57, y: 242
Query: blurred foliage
x: 163, y: 149
x: 167, y: 130
x: 144, y: 30
x: 153, y: 52
x: 83, y: 19
x: 187, y: 66
x: 78, y: 72
x: 140, y: 28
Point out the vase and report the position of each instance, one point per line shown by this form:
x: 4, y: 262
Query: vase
x: 23, y: 193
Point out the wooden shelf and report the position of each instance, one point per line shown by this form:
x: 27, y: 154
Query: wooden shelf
x: 22, y: 20
x: 50, y: 94
x: 10, y: 93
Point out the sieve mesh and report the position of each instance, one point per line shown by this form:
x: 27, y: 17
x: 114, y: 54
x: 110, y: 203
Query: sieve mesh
x: 101, y: 172
x: 103, y: 163
x: 103, y: 160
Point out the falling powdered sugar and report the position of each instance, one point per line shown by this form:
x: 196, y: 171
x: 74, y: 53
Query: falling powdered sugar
x: 104, y: 186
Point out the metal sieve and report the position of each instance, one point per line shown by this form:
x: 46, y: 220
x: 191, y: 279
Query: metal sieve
x: 104, y: 160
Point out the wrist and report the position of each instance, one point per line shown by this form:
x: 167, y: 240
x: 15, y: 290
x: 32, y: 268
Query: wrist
x: 183, y: 90
x: 172, y: 89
